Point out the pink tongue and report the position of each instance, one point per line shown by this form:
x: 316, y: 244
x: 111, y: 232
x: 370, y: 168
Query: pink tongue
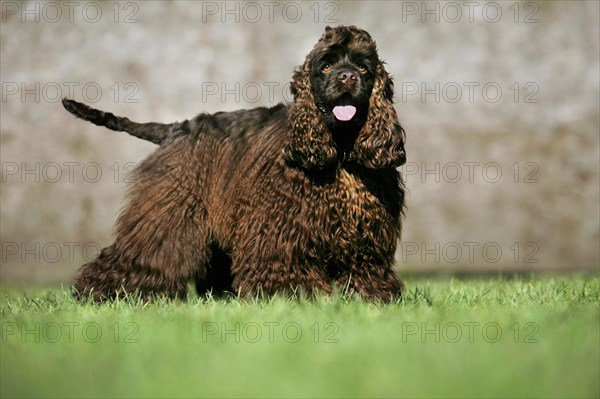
x: 344, y: 112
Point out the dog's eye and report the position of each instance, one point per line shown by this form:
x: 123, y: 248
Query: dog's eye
x: 326, y: 68
x: 362, y: 68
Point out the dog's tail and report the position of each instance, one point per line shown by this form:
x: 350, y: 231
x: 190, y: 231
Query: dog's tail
x: 154, y: 132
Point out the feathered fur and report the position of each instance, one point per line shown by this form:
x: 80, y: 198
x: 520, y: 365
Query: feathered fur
x: 268, y: 200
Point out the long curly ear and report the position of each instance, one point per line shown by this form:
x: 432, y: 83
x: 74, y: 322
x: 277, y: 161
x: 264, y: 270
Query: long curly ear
x: 380, y: 143
x: 310, y: 144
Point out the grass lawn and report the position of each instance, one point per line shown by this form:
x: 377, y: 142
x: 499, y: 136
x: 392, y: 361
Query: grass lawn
x: 535, y: 336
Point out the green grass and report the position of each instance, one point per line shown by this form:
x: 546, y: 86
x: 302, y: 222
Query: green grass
x: 442, y: 341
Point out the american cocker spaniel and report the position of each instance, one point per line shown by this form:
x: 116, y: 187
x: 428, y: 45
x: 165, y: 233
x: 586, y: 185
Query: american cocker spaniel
x: 297, y: 197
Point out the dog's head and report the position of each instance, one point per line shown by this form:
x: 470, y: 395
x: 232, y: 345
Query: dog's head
x: 343, y: 105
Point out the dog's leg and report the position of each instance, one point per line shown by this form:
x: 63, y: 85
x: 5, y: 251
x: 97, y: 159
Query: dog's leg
x: 371, y: 281
x: 161, y: 236
x: 110, y: 275
x: 269, y: 277
x: 265, y: 265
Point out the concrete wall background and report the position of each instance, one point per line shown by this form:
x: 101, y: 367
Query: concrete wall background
x: 177, y: 59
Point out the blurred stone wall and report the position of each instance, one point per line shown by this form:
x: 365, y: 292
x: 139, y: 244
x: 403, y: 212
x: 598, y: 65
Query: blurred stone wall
x: 500, y: 101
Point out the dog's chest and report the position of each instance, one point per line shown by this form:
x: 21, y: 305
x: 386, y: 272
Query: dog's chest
x: 354, y: 201
x: 356, y: 215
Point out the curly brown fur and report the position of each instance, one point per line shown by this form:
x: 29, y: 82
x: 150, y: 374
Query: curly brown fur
x: 304, y: 196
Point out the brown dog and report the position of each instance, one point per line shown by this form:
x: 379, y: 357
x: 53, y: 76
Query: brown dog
x: 300, y: 196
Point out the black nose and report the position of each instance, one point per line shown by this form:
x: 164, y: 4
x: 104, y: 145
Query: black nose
x: 348, y: 77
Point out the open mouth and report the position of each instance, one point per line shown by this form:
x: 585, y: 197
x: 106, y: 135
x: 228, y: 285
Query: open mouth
x: 345, y: 110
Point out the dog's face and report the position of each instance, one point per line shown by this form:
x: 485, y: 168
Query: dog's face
x: 343, y: 73
x: 343, y: 105
x: 342, y: 81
